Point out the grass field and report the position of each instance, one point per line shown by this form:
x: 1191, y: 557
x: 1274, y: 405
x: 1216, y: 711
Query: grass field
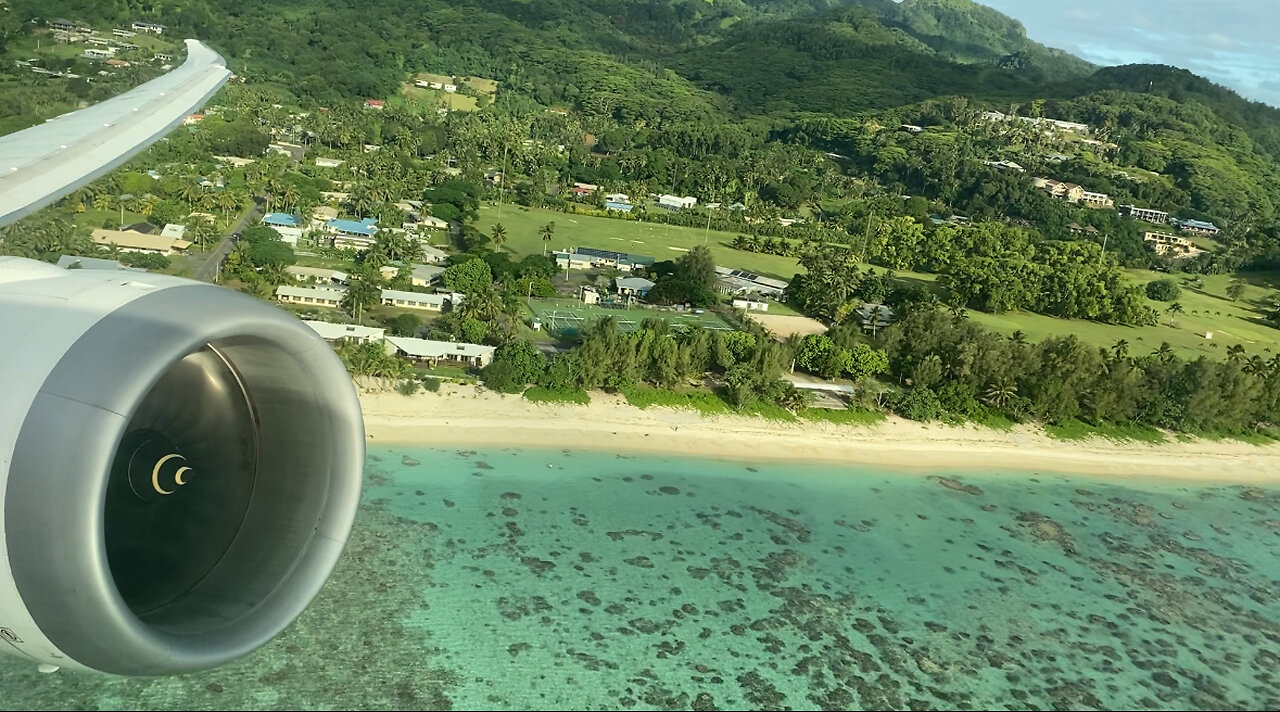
x: 661, y: 242
x: 426, y: 100
x: 569, y: 315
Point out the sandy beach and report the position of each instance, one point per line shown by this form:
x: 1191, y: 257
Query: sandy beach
x: 471, y: 416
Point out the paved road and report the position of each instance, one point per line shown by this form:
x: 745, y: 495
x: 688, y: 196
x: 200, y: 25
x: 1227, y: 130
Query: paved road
x: 208, y: 270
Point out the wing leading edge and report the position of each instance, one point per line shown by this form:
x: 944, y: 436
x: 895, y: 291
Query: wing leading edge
x: 43, y: 163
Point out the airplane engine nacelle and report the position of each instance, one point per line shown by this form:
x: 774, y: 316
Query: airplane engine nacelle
x: 180, y: 466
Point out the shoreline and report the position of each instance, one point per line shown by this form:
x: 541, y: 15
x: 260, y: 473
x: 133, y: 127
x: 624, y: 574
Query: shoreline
x: 472, y: 416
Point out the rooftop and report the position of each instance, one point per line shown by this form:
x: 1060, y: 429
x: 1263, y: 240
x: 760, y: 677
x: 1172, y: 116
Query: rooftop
x: 76, y: 262
x: 416, y: 297
x: 423, y: 348
x: 366, y: 227
x: 281, y: 220
x: 138, y: 240
x: 332, y: 332
x: 313, y: 292
x: 637, y: 283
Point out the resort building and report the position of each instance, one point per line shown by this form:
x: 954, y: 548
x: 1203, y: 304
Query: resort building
x: 128, y: 241
x: 414, y: 300
x: 1198, y: 227
x: 1167, y: 245
x: 751, y: 304
x: 587, y: 257
x: 348, y: 333
x: 1158, y: 217
x: 738, y: 282
x: 317, y: 275
x: 312, y: 296
x: 433, y: 352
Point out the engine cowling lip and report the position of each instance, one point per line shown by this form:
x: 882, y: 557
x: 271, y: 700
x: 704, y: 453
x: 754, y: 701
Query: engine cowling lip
x: 82, y: 613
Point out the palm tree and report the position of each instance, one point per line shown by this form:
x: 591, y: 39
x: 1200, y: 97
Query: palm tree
x: 1235, y: 352
x: 547, y: 232
x: 1120, y: 349
x: 499, y: 235
x: 1000, y: 395
x: 1165, y: 352
x: 1173, y: 311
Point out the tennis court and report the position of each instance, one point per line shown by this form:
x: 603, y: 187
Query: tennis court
x: 561, y: 316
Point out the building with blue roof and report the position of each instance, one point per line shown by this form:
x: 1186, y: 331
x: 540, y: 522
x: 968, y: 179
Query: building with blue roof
x: 1198, y: 227
x: 353, y: 234
x: 281, y: 220
x: 620, y: 207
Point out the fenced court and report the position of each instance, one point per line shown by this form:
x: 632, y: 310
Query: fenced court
x: 561, y: 316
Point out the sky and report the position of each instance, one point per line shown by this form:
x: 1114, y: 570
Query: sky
x: 1232, y: 42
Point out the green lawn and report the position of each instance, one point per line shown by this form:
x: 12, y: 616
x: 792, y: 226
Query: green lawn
x: 661, y: 242
x: 1205, y: 310
x: 417, y: 99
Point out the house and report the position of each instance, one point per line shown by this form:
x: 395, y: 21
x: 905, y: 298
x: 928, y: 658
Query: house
x: 414, y: 300
x: 751, y: 304
x: 634, y: 286
x: 292, y: 150
x: 1171, y: 245
x: 1069, y: 192
x: 317, y: 275
x: 123, y: 33
x: 288, y: 226
x: 617, y: 198
x: 586, y: 188
x: 325, y: 162
x: 673, y: 202
x: 148, y: 27
x: 98, y: 53
x: 346, y: 333
x: 473, y: 355
x: 873, y: 316
x: 1096, y: 200
x: 589, y: 294
x: 911, y: 128
x: 162, y: 57
x: 432, y: 255
x: 583, y: 257
x: 127, y: 241
x: 193, y: 119
x: 1006, y: 165
x: 1077, y: 230
x: 1197, y: 227
x: 579, y: 192
x: 174, y: 230
x: 740, y: 282
x: 426, y: 275
x: 1152, y: 216
x: 144, y: 227
x: 314, y: 296
x: 118, y: 63
x: 620, y: 207
x: 494, y: 176
x: 77, y: 262
x: 375, y: 104
x: 433, y: 223
x: 353, y: 234
x: 64, y: 25
x: 322, y: 215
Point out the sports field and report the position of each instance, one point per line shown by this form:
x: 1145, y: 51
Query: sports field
x: 568, y: 316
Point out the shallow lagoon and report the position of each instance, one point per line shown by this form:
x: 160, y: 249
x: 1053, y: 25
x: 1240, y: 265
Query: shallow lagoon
x: 528, y: 579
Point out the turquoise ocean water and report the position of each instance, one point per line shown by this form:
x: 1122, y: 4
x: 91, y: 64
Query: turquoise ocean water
x: 523, y: 579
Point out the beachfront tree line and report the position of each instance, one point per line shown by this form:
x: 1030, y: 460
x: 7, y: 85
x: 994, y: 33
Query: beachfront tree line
x: 746, y: 366
x: 952, y: 366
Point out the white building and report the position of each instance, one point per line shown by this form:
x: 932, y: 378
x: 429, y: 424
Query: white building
x: 174, y: 231
x: 126, y: 241
x: 432, y: 255
x: 414, y: 300
x: 317, y: 275
x: 674, y: 202
x: 324, y: 162
x: 474, y: 355
x: 751, y: 304
x: 314, y: 296
x: 352, y: 333
x: 148, y: 27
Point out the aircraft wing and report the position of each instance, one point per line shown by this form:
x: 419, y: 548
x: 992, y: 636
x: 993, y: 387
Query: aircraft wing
x: 43, y: 163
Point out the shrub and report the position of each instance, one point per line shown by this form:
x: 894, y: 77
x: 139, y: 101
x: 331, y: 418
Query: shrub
x: 1163, y: 290
x: 431, y: 385
x: 407, y: 388
x: 918, y: 404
